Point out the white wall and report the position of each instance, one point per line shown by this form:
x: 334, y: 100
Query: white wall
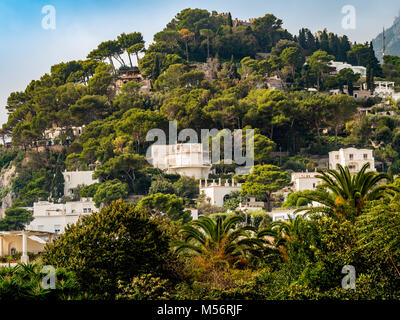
x: 303, y: 184
x: 74, y: 178
x: 305, y: 180
x: 217, y: 193
x: 283, y: 215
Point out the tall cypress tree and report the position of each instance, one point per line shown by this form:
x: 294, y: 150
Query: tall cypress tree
x: 57, y: 186
x: 156, y: 68
x: 370, y: 79
x: 230, y: 22
x: 373, y: 62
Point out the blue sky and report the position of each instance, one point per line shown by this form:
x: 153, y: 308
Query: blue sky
x: 27, y: 51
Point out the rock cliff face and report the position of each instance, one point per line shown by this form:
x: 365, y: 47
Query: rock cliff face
x: 392, y: 41
x: 6, y: 195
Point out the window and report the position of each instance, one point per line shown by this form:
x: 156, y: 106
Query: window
x: 84, y: 210
x: 365, y: 156
x: 351, y: 156
x: 57, y: 228
x: 337, y: 157
x: 352, y: 167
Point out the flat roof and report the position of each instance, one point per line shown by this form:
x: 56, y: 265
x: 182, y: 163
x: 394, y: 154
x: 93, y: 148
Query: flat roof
x: 28, y: 232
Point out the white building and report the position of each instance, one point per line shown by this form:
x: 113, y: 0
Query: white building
x: 52, y: 135
x: 385, y: 89
x: 305, y: 181
x: 194, y: 213
x: 337, y: 66
x: 187, y: 159
x: 54, y: 217
x: 275, y: 83
x: 352, y: 158
x: 252, y: 204
x: 73, y: 179
x: 217, y: 193
x: 282, y: 214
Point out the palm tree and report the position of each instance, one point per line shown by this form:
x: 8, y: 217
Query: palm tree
x: 349, y: 191
x: 293, y: 234
x: 221, y: 241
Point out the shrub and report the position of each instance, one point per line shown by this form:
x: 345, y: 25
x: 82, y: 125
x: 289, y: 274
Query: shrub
x: 117, y: 243
x: 143, y: 287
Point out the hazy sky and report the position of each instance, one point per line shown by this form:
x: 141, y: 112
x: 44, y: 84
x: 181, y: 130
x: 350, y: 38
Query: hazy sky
x: 27, y: 51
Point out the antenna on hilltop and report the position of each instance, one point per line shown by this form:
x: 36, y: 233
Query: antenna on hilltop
x: 383, y: 42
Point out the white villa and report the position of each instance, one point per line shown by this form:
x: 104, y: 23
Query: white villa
x: 337, y: 66
x: 54, y: 217
x: 305, y: 181
x: 217, y: 193
x: 187, y: 159
x: 73, y: 179
x: 353, y: 158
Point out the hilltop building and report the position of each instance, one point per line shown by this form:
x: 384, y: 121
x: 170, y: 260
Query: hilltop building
x: 244, y: 23
x: 187, y: 159
x: 132, y: 74
x: 352, y: 158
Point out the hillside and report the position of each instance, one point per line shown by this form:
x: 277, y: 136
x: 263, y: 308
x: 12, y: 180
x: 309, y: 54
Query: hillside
x: 96, y: 113
x: 392, y: 40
